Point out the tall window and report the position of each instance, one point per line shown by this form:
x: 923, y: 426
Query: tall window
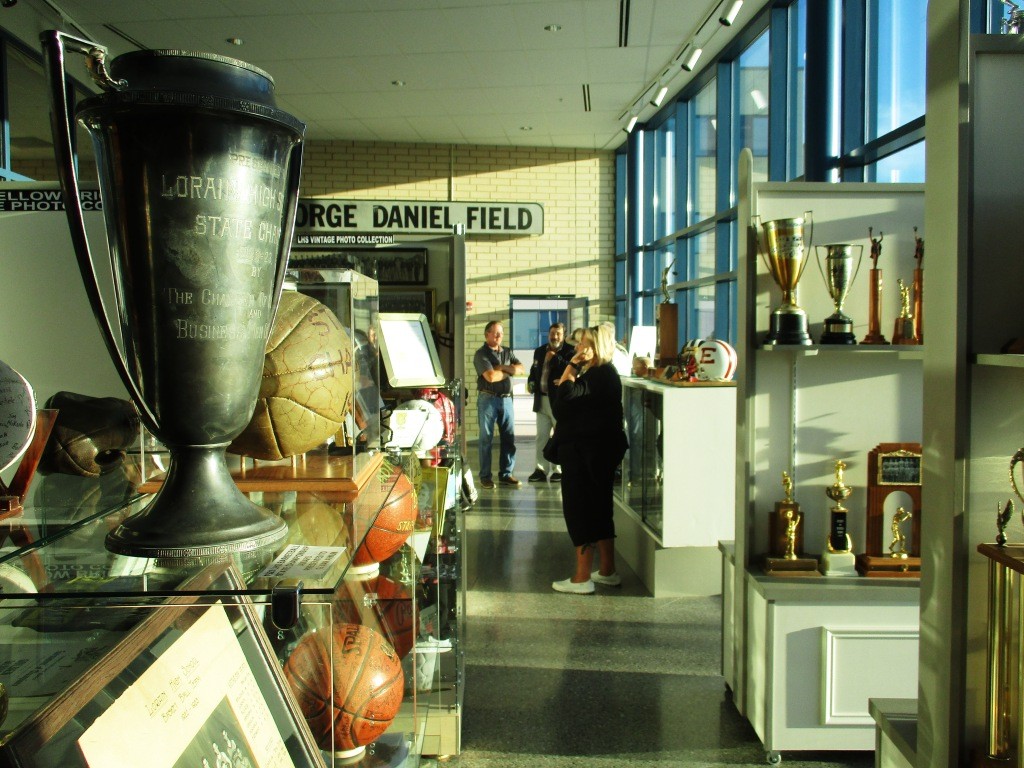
x: 753, y: 95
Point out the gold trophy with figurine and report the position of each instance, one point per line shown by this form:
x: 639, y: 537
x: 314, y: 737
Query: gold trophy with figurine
x: 784, y: 558
x: 838, y: 558
x: 905, y: 329
x: 784, y: 248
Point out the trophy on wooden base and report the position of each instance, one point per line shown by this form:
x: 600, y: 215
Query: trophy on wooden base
x: 874, y: 335
x: 838, y: 558
x: 904, y: 331
x: 668, y: 323
x: 784, y: 558
x: 893, y: 467
x: 784, y: 251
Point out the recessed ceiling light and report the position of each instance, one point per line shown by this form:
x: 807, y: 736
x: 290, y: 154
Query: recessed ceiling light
x: 235, y: 40
x: 553, y: 28
x: 398, y: 83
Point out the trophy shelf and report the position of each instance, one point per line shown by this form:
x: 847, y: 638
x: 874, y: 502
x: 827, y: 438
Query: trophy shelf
x: 998, y: 360
x: 313, y: 472
x: 901, y: 352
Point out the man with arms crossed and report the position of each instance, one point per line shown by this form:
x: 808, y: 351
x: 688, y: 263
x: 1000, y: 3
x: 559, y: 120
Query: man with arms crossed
x: 495, y: 366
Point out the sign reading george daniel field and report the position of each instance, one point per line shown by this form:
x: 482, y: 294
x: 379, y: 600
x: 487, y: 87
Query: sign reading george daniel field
x: 327, y: 220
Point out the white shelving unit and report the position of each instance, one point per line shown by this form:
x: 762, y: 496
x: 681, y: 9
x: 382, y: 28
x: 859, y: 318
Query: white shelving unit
x: 802, y: 652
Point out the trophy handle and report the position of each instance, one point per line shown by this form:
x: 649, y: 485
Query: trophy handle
x: 292, y: 205
x: 1017, y: 457
x: 809, y: 222
x: 860, y: 258
x: 817, y: 260
x: 762, y: 250
x: 54, y: 46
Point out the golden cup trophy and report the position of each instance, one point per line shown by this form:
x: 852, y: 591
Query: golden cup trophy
x: 874, y: 335
x: 838, y: 558
x: 839, y: 273
x: 904, y: 330
x: 784, y: 249
x: 784, y: 558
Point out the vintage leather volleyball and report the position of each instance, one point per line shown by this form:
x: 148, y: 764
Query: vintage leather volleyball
x: 306, y: 389
x: 367, y: 688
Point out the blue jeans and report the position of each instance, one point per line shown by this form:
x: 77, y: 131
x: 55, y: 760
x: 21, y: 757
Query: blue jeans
x: 496, y: 411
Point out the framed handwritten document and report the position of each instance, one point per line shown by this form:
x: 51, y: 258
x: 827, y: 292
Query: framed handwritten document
x: 194, y: 684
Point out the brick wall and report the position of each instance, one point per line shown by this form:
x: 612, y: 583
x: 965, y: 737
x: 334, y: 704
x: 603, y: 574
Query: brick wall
x: 576, y: 188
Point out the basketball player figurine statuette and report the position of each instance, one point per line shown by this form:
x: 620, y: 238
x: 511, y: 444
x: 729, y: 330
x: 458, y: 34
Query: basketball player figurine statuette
x: 839, y: 560
x: 784, y: 557
x: 898, y: 545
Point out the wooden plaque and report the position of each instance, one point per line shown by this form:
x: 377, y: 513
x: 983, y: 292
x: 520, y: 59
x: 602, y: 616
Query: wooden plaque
x: 892, y: 467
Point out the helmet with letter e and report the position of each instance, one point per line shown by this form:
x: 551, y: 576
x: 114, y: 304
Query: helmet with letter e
x: 716, y: 361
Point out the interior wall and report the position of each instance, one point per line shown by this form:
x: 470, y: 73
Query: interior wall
x: 576, y: 188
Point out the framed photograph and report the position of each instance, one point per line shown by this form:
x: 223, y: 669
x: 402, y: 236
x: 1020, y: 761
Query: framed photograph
x: 409, y: 301
x: 194, y: 683
x: 401, y: 266
x: 899, y: 468
x: 408, y: 350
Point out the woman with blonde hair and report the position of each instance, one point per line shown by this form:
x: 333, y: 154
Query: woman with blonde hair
x: 590, y: 442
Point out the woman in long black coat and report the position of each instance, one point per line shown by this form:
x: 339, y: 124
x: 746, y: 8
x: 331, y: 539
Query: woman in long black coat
x: 590, y: 443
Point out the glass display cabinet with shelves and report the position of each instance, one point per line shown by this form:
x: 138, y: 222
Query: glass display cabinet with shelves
x: 676, y: 487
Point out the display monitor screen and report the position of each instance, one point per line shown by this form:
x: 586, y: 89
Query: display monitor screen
x: 407, y: 346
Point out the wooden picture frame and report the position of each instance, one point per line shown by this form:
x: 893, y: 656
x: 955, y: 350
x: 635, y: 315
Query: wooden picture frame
x: 196, y: 677
x: 408, y: 301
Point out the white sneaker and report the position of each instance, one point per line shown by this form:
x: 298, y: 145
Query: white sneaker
x: 568, y: 585
x: 609, y: 581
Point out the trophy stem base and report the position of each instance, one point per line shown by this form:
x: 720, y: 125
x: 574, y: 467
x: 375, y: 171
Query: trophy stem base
x: 788, y: 326
x: 784, y: 566
x: 874, y: 338
x: 889, y: 567
x: 198, y: 512
x: 837, y: 329
x: 838, y: 564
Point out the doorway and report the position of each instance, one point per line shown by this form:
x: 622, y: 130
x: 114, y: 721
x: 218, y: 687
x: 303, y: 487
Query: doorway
x: 530, y: 319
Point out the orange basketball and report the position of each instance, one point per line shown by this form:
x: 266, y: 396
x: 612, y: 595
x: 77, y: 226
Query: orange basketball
x: 392, y: 612
x: 306, y: 389
x: 367, y: 687
x: 387, y: 530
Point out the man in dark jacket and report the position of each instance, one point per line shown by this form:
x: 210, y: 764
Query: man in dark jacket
x: 549, y: 361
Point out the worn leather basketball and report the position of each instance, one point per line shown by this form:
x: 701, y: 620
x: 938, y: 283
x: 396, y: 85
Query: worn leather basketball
x: 393, y: 494
x: 391, y: 611
x: 367, y: 684
x: 306, y: 389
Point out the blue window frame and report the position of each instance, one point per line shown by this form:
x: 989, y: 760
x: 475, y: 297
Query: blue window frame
x: 756, y: 94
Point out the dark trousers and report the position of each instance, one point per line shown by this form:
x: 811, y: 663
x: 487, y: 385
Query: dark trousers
x: 588, y: 476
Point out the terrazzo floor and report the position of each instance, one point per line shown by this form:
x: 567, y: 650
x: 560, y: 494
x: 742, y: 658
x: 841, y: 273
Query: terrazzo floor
x: 614, y: 679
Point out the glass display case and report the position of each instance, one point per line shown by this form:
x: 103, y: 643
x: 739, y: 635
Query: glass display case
x: 353, y: 298
x: 71, y: 611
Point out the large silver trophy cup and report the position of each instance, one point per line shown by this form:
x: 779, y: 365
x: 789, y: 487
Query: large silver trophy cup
x: 838, y: 273
x: 199, y: 177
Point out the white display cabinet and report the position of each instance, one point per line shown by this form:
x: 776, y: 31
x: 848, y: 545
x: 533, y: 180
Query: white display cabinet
x: 818, y: 653
x: 675, y: 498
x: 800, y: 410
